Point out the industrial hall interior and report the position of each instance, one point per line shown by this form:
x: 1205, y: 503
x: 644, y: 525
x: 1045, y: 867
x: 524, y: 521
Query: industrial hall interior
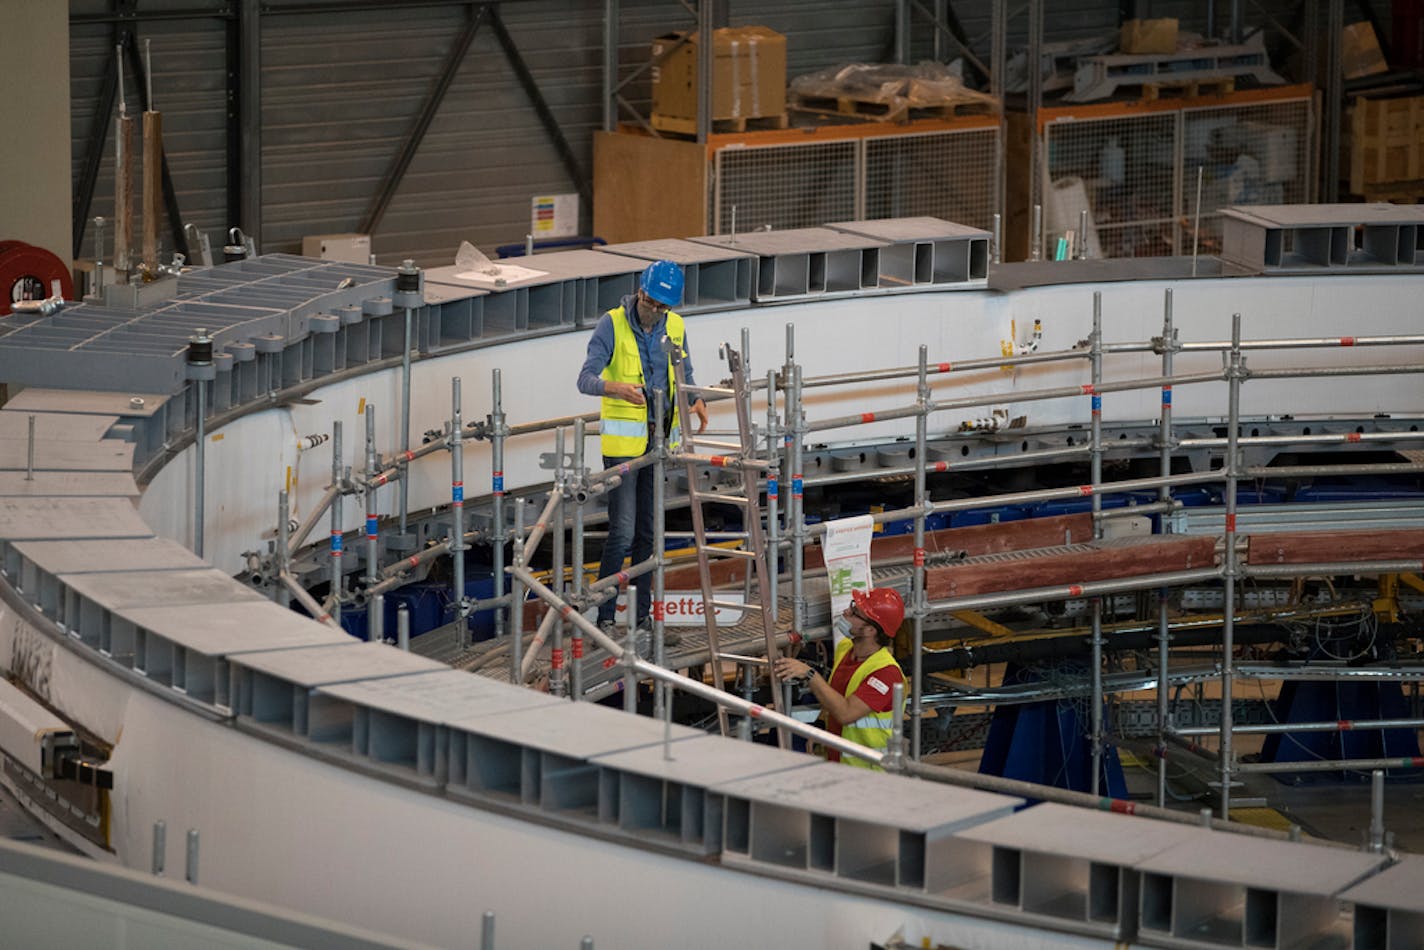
x: 870, y: 474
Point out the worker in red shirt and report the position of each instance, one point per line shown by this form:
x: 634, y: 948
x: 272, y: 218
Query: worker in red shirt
x: 856, y: 701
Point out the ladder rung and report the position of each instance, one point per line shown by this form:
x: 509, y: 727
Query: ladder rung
x: 709, y: 390
x: 728, y: 552
x: 734, y: 605
x: 702, y: 443
x: 738, y: 500
x: 742, y: 658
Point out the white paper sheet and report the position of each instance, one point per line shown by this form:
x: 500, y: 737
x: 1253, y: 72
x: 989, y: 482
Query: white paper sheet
x: 846, y: 548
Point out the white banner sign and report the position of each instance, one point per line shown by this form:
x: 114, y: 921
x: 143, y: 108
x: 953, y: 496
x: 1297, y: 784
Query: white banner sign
x: 684, y: 608
x: 846, y: 548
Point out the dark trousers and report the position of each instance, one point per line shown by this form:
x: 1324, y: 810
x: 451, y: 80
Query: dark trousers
x: 630, y: 530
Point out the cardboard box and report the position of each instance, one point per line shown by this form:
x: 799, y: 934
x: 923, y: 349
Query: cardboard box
x: 1156, y: 37
x: 1360, y: 52
x: 748, y: 74
x: 350, y: 248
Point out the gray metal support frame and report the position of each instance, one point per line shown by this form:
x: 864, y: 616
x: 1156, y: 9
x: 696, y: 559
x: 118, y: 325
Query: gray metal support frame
x: 570, y: 161
x: 704, y: 71
x: 248, y: 149
x: 395, y: 172
x: 610, y: 65
x: 1164, y: 494
x: 902, y: 31
x: 98, y: 130
x: 1331, y: 102
x: 1236, y: 371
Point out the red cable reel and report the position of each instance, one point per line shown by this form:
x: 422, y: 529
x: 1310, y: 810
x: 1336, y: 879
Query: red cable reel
x: 31, y: 273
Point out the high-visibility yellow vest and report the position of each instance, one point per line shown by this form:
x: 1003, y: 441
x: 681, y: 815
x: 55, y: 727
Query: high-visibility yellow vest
x: 624, y: 425
x: 872, y: 730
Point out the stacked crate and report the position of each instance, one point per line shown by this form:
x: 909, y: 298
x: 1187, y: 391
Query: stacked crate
x: 1386, y: 150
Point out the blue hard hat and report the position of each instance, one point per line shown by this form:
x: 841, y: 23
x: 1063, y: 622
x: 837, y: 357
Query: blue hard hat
x: 662, y: 280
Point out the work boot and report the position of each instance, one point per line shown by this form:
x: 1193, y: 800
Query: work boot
x: 645, y: 639
x: 670, y: 638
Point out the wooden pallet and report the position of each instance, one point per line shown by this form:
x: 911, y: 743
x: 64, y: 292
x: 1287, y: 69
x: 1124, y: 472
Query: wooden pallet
x: 680, y: 125
x: 874, y: 111
x: 1386, y: 143
x: 1188, y: 89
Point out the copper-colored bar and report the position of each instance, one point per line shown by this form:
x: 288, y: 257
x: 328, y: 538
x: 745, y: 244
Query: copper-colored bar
x: 1078, y: 564
x: 123, y: 199
x: 973, y: 540
x: 1318, y: 547
x: 152, y: 187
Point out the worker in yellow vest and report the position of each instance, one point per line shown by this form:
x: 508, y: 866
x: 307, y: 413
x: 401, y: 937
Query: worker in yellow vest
x: 625, y: 365
x: 856, y: 701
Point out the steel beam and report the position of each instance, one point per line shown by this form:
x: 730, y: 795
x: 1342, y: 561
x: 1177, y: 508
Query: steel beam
x: 541, y: 108
x: 395, y: 172
x: 98, y: 125
x: 244, y: 174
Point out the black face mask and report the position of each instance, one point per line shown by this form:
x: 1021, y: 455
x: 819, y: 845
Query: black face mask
x: 646, y: 307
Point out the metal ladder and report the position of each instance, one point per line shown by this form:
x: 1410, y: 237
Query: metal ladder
x: 741, y: 457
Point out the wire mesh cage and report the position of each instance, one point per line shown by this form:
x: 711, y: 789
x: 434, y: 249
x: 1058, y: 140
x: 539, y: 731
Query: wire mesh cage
x: 1136, y: 175
x: 949, y: 175
x: 1247, y: 155
x: 1124, y: 172
x: 785, y: 186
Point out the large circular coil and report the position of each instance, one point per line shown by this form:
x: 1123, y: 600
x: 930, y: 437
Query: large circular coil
x: 31, y: 273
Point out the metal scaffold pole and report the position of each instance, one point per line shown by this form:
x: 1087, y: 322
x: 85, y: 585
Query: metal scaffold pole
x: 409, y: 294
x: 797, y: 511
x: 516, y: 597
x: 791, y: 475
x: 556, y: 650
x: 773, y: 491
x: 199, y: 369
x: 282, y: 555
x: 1095, y: 695
x: 375, y: 605
x: 335, y: 596
x: 457, y: 513
x: 917, y: 599
x: 576, y: 646
x: 1236, y: 371
x: 661, y: 700
x: 497, y: 433
x: 1164, y: 495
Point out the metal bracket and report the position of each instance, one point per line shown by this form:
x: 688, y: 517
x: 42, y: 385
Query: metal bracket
x: 553, y: 461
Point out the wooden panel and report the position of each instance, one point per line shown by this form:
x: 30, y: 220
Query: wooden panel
x: 1386, y: 141
x: 1077, y: 565
x: 1326, y: 547
x: 646, y: 188
x: 974, y: 541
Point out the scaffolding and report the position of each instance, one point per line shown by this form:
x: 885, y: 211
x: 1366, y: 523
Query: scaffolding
x: 778, y: 532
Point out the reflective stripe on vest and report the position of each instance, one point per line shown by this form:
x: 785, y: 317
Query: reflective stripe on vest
x: 625, y: 426
x: 872, y: 730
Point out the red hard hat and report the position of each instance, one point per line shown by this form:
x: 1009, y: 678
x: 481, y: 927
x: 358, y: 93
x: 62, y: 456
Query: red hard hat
x: 883, y: 606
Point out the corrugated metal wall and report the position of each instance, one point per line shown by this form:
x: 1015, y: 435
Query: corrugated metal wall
x: 340, y: 92
x: 189, y: 88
